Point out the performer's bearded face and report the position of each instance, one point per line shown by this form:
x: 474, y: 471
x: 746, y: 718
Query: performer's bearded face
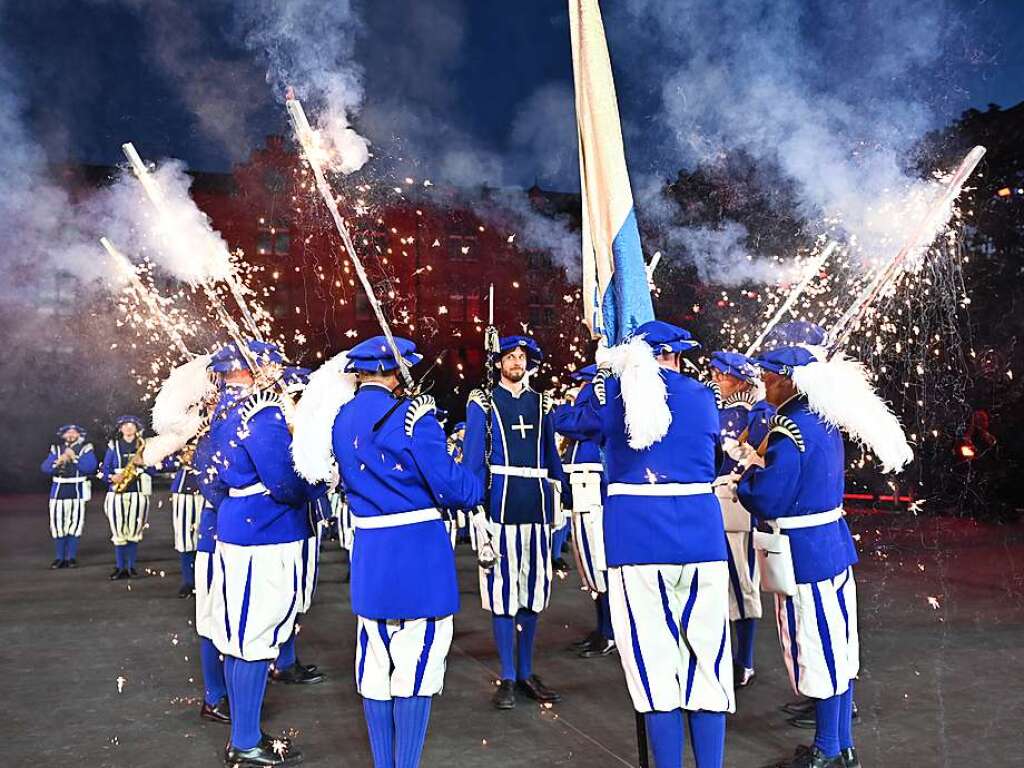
x: 71, y: 436
x: 728, y: 384
x: 513, y: 365
x: 129, y: 431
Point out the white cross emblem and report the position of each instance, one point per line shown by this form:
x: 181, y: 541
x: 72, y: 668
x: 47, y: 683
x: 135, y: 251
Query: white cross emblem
x: 522, y: 426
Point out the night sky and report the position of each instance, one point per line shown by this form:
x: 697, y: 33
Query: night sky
x: 95, y: 74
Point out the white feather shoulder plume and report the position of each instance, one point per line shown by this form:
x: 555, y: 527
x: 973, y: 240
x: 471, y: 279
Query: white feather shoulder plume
x: 177, y: 409
x: 328, y: 389
x: 841, y: 393
x: 644, y: 395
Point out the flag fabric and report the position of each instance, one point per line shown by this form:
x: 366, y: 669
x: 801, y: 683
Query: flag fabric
x: 616, y: 294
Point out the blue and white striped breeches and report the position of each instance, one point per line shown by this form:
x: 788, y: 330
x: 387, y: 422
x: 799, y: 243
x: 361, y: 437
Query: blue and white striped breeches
x: 401, y: 658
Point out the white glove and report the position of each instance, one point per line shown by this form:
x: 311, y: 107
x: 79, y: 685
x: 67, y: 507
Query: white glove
x: 486, y: 553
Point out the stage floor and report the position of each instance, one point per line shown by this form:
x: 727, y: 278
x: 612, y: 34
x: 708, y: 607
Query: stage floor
x: 942, y: 629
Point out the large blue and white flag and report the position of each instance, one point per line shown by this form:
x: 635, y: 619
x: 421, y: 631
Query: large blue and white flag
x: 616, y: 295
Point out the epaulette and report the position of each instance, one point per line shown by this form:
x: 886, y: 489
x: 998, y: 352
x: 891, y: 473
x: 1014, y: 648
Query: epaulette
x: 112, y: 445
x: 598, y: 384
x: 419, y: 407
x: 745, y: 398
x: 784, y: 425
x: 256, y: 402
x: 479, y: 397
x: 85, y: 448
x: 717, y: 392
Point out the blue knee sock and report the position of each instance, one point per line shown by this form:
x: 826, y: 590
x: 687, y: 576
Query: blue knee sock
x: 58, y: 548
x: 188, y: 569
x: 826, y: 733
x: 846, y: 719
x: 665, y: 732
x: 130, y: 550
x: 505, y: 640
x: 72, y: 542
x: 526, y: 622
x: 380, y: 724
x: 745, y: 630
x: 286, y: 654
x: 214, y: 685
x: 411, y: 718
x: 119, y: 555
x: 604, y: 616
x: 558, y: 541
x: 248, y: 684
x: 707, y: 738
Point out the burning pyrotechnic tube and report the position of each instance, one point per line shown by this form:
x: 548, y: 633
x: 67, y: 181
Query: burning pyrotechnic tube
x: 146, y: 296
x: 156, y: 197
x: 794, y: 294
x: 308, y: 138
x: 924, y: 233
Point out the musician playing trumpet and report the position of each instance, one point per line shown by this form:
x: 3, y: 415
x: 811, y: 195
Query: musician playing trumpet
x: 127, y: 500
x: 70, y: 462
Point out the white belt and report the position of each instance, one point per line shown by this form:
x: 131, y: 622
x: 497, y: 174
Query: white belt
x: 658, y: 489
x: 69, y: 479
x: 586, y: 467
x: 807, y: 521
x: 411, y: 517
x: 249, y: 490
x: 508, y: 471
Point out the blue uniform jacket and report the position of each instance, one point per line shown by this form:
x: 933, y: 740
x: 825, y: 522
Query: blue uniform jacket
x: 803, y: 474
x: 582, y: 450
x: 186, y: 477
x: 658, y: 529
x: 733, y: 419
x: 118, y: 456
x: 75, y: 473
x: 252, y: 445
x: 522, y: 435
x: 401, y: 571
x: 214, y: 492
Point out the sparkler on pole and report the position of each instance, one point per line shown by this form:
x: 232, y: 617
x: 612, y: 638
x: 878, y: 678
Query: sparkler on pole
x: 794, y: 294
x: 156, y: 197
x: 308, y: 138
x: 936, y: 217
x: 147, y: 296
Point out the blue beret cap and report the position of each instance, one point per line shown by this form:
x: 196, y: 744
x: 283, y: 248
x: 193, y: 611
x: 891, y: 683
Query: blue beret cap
x: 527, y: 343
x: 793, y: 333
x: 734, y: 364
x: 65, y: 427
x: 374, y: 355
x: 586, y: 373
x: 783, y: 360
x: 230, y: 358
x: 665, y: 337
x: 129, y: 419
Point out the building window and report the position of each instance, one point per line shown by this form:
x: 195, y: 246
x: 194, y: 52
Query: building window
x: 457, y: 307
x: 363, y: 309
x: 273, y: 238
x: 462, y: 247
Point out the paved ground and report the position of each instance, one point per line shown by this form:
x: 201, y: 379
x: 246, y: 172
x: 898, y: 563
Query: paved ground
x: 942, y: 617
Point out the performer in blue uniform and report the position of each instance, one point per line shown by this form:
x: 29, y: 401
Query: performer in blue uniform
x: 735, y: 379
x: 397, y: 476
x: 525, y: 473
x: 583, y: 466
x: 186, y: 509
x: 70, y: 463
x: 287, y: 668
x: 456, y: 440
x: 810, y: 555
x: 127, y: 501
x: 664, y: 540
x: 262, y: 527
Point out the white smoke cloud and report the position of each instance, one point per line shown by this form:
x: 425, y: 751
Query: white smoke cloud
x: 308, y: 46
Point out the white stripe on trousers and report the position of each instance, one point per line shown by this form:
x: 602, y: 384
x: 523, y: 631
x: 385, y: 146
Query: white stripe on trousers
x: 310, y: 569
x: 67, y: 517
x: 588, y: 545
x: 185, y: 510
x: 744, y: 577
x: 255, y: 596
x: 401, y: 658
x: 522, y: 576
x: 346, y: 526
x: 819, y: 636
x: 205, y: 564
x: 671, y: 626
x: 127, y: 514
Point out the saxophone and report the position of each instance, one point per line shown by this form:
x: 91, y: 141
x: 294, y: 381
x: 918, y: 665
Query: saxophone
x: 131, y: 472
